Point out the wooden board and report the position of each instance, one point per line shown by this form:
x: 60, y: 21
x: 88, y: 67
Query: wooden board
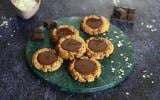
x: 114, y: 69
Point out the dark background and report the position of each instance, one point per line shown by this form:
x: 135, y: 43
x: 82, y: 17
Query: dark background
x: 17, y: 82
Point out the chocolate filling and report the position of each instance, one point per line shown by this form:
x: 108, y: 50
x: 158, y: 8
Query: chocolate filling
x: 71, y: 45
x: 47, y: 58
x: 62, y: 32
x: 94, y: 23
x: 84, y: 66
x: 97, y: 45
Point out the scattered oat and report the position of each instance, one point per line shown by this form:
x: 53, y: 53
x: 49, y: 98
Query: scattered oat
x: 148, y: 76
x: 126, y: 59
x: 153, y: 30
x: 147, y: 26
x: 11, y: 35
x: 8, y: 43
x: 144, y: 76
x: 142, y: 23
x: 112, y: 61
x: 117, y: 37
x: 119, y: 44
x: 144, y: 71
x: 153, y: 20
x: 113, y: 70
x: 114, y: 31
x: 120, y: 76
x: 121, y: 54
x: 127, y: 93
x: 121, y: 70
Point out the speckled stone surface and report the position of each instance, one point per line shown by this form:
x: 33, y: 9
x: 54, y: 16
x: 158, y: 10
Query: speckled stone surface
x: 17, y: 82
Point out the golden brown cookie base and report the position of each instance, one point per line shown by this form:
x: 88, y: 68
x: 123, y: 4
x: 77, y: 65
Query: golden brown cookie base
x: 46, y: 68
x: 68, y: 54
x: 55, y: 38
x: 103, y: 28
x: 100, y: 55
x: 85, y: 78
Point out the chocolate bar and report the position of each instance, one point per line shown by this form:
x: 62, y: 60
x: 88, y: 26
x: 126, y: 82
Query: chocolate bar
x: 123, y: 14
x: 50, y: 24
x: 37, y: 35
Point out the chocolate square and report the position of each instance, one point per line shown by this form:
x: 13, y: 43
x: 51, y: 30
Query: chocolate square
x: 131, y: 11
x: 120, y: 13
x: 37, y: 37
x: 131, y: 17
x: 50, y: 24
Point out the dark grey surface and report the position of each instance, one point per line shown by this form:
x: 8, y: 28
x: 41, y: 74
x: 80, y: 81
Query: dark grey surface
x: 17, y: 82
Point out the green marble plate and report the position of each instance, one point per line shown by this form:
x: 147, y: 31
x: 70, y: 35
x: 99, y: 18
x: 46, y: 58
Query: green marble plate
x: 114, y: 69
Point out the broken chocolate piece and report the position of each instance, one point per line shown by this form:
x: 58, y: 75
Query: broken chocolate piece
x: 50, y: 24
x: 37, y: 37
x: 121, y: 13
x: 131, y: 11
x: 131, y: 17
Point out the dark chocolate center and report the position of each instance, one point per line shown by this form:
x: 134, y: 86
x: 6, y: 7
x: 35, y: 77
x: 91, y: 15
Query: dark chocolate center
x: 62, y: 32
x: 94, y: 23
x: 97, y: 45
x: 84, y: 66
x: 47, y: 58
x: 71, y: 45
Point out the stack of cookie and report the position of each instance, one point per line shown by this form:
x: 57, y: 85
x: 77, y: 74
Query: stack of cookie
x: 82, y: 54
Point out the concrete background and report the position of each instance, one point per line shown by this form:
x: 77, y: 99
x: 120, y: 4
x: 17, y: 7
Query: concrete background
x: 17, y: 82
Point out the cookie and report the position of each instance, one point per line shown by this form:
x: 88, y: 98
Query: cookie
x: 94, y: 25
x: 62, y: 31
x: 85, y: 69
x: 71, y: 47
x: 98, y: 48
x: 47, y: 60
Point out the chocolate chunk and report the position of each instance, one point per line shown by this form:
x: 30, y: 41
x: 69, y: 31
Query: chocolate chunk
x: 131, y: 17
x: 37, y: 37
x: 85, y: 66
x: 71, y: 45
x: 97, y: 45
x: 47, y: 58
x: 131, y: 11
x: 121, y: 13
x: 50, y: 24
x: 94, y: 22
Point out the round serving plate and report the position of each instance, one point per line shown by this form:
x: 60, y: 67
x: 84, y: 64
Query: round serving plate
x: 115, y: 68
